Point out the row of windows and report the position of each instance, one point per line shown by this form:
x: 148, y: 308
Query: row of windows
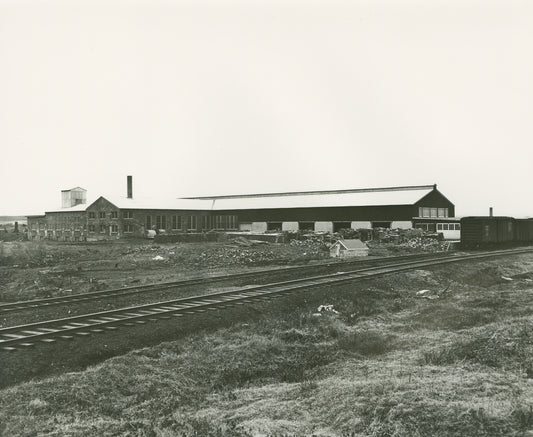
x: 432, y: 212
x: 102, y: 214
x: 439, y: 227
x: 192, y: 222
x: 448, y: 226
x: 104, y: 229
x: 57, y: 227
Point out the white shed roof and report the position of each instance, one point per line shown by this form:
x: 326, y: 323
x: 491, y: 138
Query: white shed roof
x: 353, y: 244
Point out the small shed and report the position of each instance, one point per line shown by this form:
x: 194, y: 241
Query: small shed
x: 348, y: 248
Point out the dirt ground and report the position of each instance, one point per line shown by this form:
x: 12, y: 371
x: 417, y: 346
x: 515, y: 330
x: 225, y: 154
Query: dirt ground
x: 30, y: 270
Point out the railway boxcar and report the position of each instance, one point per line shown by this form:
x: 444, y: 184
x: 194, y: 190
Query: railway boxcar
x: 524, y: 230
x: 487, y: 231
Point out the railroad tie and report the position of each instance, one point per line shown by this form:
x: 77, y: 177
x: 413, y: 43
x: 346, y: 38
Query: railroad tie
x: 32, y: 332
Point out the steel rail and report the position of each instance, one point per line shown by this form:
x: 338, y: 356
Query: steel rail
x: 49, y: 331
x: 124, y: 291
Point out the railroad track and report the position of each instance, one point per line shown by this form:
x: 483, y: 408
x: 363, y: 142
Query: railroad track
x: 25, y: 336
x: 124, y: 291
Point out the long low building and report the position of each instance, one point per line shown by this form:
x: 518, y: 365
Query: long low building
x: 328, y: 211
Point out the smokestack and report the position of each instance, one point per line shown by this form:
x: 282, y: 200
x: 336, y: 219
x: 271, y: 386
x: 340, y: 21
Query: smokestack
x: 130, y: 187
x: 490, y: 211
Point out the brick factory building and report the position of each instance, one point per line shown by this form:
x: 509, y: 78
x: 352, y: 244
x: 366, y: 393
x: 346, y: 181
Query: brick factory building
x: 328, y: 211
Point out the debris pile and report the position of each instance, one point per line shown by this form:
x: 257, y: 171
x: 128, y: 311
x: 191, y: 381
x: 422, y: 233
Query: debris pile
x: 327, y: 309
x: 312, y: 246
x: 407, y: 240
x: 226, y: 256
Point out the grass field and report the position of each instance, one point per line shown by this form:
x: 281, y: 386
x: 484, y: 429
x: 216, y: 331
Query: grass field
x: 386, y: 363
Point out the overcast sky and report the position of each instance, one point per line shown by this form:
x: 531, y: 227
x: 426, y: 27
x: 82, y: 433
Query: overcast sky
x: 226, y: 97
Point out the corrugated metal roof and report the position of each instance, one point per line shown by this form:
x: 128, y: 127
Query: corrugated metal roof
x: 374, y: 197
x: 311, y: 199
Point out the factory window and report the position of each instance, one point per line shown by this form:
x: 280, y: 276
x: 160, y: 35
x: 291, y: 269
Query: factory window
x: 127, y: 214
x: 510, y: 227
x: 306, y: 226
x: 91, y: 228
x: 160, y: 221
x: 101, y: 214
x: 176, y: 222
x: 274, y: 226
x: 337, y: 226
x: 148, y: 222
x: 386, y: 225
x: 114, y: 229
x: 486, y: 230
x: 128, y: 229
x: 232, y: 222
x: 191, y: 222
x: 92, y: 214
x: 432, y: 212
x: 114, y: 214
x: 457, y: 226
x: 102, y: 229
x: 205, y: 222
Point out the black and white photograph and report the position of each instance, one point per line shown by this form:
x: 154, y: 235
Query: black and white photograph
x: 266, y: 218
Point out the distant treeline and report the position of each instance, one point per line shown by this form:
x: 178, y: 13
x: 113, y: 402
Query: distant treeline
x: 12, y: 219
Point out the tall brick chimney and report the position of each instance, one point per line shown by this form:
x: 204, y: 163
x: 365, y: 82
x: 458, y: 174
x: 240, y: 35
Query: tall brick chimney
x: 130, y: 187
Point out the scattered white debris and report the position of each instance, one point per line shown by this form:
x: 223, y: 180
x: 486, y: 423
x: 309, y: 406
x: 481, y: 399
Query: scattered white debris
x: 505, y: 278
x: 427, y: 294
x: 158, y: 258
x: 327, y: 308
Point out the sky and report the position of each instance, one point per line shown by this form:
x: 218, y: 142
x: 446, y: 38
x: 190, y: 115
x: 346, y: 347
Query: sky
x: 197, y: 97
